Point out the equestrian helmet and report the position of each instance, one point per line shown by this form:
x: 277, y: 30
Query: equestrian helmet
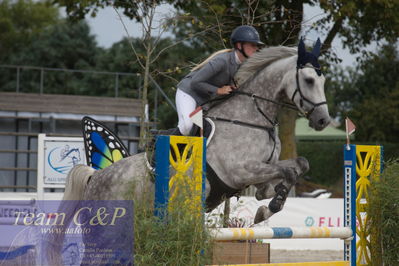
x: 245, y: 33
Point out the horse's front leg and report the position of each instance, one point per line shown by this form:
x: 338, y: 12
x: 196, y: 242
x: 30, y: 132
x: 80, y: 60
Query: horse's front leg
x: 277, y: 180
x: 266, y: 190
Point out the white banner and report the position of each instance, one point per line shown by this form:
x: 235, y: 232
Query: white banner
x: 296, y: 212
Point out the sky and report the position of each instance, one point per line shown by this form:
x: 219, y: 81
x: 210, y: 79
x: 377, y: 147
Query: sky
x: 109, y: 29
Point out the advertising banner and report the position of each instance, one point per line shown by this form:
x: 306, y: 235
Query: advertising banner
x: 296, y: 212
x: 60, y: 156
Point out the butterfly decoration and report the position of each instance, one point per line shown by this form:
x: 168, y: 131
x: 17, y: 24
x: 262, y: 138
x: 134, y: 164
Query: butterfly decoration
x: 102, y: 146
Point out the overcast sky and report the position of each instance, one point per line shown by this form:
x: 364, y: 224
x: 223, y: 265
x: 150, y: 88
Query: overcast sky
x: 108, y: 29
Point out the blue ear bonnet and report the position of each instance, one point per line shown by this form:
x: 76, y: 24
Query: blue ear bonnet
x: 305, y: 57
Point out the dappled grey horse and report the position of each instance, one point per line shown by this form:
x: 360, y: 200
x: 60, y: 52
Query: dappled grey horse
x: 245, y: 147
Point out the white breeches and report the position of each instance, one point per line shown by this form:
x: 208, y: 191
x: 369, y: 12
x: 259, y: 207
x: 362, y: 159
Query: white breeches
x: 185, y: 105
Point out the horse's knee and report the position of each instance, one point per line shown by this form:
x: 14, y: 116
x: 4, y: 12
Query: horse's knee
x: 290, y: 175
x: 303, y: 164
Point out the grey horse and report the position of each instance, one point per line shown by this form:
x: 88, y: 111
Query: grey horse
x: 247, y: 152
x: 245, y: 147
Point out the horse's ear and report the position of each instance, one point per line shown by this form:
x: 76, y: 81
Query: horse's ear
x: 301, y: 51
x: 316, y: 48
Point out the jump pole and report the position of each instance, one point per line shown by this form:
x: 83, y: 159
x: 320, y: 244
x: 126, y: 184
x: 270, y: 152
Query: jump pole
x: 223, y: 234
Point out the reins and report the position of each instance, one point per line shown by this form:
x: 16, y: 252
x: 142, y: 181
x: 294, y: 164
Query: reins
x: 271, y: 130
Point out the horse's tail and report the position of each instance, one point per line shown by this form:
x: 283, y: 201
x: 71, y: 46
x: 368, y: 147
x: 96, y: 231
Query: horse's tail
x: 76, y: 182
x: 74, y: 190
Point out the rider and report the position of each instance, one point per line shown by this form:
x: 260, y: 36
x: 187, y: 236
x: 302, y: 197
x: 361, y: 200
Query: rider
x: 214, y: 76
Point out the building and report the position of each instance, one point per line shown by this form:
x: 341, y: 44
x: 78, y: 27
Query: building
x: 24, y: 115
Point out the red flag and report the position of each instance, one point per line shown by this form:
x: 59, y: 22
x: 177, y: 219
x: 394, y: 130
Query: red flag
x: 350, y: 127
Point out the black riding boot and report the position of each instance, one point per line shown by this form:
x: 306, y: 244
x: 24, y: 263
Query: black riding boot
x: 171, y: 132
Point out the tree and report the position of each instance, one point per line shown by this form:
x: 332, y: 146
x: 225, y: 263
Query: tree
x: 360, y: 22
x: 20, y: 21
x: 165, y: 70
x: 144, y: 12
x: 369, y: 95
x: 63, y: 45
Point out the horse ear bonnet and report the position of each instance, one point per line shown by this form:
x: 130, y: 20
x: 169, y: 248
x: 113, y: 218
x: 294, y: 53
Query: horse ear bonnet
x: 305, y: 57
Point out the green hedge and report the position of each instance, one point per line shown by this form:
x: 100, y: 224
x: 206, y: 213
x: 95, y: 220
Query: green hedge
x: 326, y: 159
x: 383, y: 211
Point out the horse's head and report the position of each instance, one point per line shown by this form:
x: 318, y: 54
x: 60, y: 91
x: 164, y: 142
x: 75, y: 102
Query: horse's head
x: 307, y: 92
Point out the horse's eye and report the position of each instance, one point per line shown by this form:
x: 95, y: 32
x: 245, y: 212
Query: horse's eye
x: 309, y: 81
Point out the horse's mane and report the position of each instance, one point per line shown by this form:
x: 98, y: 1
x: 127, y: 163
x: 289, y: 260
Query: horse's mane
x: 262, y: 59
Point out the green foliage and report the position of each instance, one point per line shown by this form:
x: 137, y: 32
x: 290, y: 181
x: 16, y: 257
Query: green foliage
x: 383, y: 209
x: 365, y: 21
x: 369, y: 95
x: 20, y: 21
x: 77, y: 9
x: 326, y: 159
x: 63, y: 45
x: 218, y: 18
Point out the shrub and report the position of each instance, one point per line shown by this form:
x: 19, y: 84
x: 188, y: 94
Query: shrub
x: 383, y: 211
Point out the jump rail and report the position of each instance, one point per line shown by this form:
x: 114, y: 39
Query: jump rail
x: 344, y: 233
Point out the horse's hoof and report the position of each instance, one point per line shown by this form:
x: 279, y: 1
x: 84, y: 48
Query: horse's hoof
x: 262, y: 214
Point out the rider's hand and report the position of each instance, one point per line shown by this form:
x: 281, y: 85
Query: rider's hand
x: 225, y: 90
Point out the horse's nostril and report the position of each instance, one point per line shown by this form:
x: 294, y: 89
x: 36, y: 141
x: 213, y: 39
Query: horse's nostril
x: 323, y: 122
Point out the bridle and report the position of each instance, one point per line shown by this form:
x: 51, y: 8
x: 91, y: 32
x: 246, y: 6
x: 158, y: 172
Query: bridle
x: 303, y: 98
